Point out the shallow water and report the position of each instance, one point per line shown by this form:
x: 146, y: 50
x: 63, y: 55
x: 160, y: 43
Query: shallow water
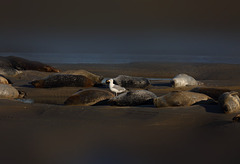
x: 27, y: 101
x: 114, y: 58
x: 151, y: 79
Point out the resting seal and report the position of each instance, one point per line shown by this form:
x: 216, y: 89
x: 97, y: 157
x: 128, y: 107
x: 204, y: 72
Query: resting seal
x: 9, y: 92
x: 9, y: 71
x: 181, y: 98
x: 131, y: 82
x: 95, y: 78
x: 12, y: 62
x: 183, y: 80
x: 61, y: 80
x: 132, y: 98
x: 230, y: 102
x: 89, y: 97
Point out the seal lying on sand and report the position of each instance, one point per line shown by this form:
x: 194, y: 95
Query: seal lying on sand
x: 12, y: 62
x: 183, y: 80
x: 9, y: 92
x: 6, y: 67
x: 132, y: 98
x: 89, y: 97
x: 214, y: 93
x: 181, y: 98
x: 61, y: 80
x: 131, y: 82
x: 230, y: 102
x: 95, y: 78
x: 4, y: 80
x: 8, y: 71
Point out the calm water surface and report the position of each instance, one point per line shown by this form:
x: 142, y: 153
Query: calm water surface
x: 113, y: 58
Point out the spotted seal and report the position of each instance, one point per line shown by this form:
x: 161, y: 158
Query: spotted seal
x: 9, y: 92
x: 9, y: 71
x: 133, y: 98
x: 89, y: 97
x: 61, y: 80
x: 183, y: 80
x: 230, y: 102
x: 131, y: 82
x: 181, y: 98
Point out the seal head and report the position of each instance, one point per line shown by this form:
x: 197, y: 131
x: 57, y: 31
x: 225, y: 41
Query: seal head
x: 230, y: 102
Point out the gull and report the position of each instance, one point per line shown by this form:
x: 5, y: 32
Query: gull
x: 115, y: 88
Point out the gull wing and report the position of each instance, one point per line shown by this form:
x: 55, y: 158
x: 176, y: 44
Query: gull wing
x: 119, y: 88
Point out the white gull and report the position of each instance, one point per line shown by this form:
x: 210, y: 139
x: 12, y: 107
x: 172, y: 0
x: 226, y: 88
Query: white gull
x: 115, y: 88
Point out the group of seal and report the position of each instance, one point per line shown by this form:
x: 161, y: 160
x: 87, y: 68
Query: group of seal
x: 7, y: 91
x: 126, y: 98
x: 228, y: 100
x: 12, y: 65
x: 135, y: 97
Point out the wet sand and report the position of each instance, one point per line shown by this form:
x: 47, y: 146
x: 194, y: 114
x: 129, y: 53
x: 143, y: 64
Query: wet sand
x: 47, y: 131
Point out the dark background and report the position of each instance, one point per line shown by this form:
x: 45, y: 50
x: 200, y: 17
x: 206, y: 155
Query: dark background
x: 157, y: 26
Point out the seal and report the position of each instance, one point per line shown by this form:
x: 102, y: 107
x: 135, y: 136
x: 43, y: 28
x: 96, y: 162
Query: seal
x: 95, y: 78
x: 89, y: 97
x: 61, y: 80
x: 131, y: 82
x: 6, y: 67
x: 9, y: 71
x: 9, y: 92
x: 214, y: 93
x: 230, y: 102
x: 183, y: 80
x: 133, y: 98
x: 4, y: 80
x: 182, y: 98
x: 24, y: 64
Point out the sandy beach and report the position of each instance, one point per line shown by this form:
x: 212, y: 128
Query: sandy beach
x: 47, y: 131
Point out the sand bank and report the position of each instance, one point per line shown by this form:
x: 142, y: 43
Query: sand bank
x: 46, y: 131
